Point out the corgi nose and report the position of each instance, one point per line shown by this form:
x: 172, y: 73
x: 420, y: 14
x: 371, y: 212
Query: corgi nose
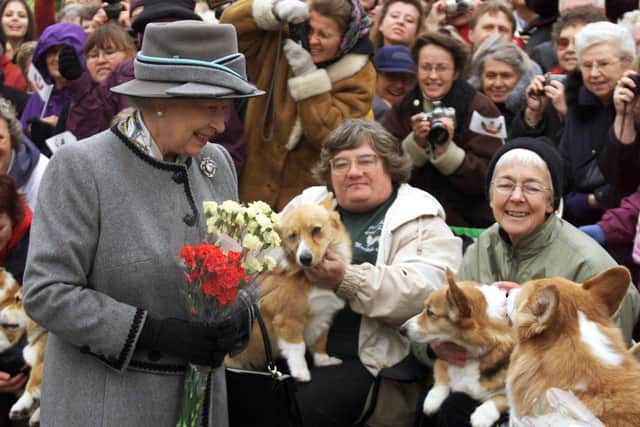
x: 403, y: 330
x: 306, y: 259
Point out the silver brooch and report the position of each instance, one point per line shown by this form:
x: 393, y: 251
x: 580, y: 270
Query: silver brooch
x: 208, y: 167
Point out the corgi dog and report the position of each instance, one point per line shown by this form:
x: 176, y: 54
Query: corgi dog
x: 14, y: 318
x: 8, y: 289
x: 297, y: 314
x: 566, y: 340
x: 474, y: 317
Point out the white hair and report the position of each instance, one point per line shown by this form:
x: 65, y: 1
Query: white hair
x: 606, y: 32
x: 630, y: 20
x: 523, y: 157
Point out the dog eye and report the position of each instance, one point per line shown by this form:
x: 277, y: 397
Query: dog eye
x: 292, y: 237
x: 315, y: 231
x: 430, y: 313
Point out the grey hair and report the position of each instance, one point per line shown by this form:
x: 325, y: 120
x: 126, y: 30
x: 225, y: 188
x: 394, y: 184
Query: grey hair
x: 498, y: 49
x: 8, y: 113
x: 606, y: 32
x: 522, y: 157
x: 352, y: 133
x: 595, y: 3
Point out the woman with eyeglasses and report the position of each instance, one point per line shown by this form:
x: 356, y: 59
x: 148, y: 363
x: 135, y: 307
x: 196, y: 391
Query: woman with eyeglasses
x: 605, y: 51
x: 449, y: 129
x: 401, y: 248
x: 545, y: 102
x: 528, y: 241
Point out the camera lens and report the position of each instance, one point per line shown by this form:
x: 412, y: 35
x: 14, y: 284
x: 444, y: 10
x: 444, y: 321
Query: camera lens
x: 439, y: 134
x: 636, y: 80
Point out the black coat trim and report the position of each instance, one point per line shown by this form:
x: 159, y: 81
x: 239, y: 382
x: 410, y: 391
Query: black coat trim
x: 178, y: 170
x: 117, y: 363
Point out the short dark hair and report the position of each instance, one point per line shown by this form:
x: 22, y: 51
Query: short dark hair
x: 574, y: 16
x: 352, y: 133
x: 376, y: 35
x: 338, y: 10
x: 109, y: 36
x: 455, y: 47
x: 493, y: 7
x: 11, y: 202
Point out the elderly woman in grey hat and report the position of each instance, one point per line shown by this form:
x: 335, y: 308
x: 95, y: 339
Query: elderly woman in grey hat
x: 103, y: 275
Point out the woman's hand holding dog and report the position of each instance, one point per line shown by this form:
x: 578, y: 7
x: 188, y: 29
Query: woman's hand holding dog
x: 452, y: 353
x: 328, y: 274
x: 9, y: 384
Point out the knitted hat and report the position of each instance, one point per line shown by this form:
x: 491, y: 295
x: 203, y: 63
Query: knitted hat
x: 544, y: 148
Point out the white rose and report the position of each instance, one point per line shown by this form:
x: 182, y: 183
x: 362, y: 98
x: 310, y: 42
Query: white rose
x: 230, y: 206
x: 269, y: 263
x: 209, y: 208
x: 251, y: 242
x: 252, y: 265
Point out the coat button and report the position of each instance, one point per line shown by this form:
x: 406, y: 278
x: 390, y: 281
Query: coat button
x: 189, y: 219
x: 178, y: 177
x: 154, y: 355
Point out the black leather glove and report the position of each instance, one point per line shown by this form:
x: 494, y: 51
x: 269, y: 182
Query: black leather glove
x: 196, y: 342
x: 68, y: 63
x: 39, y: 132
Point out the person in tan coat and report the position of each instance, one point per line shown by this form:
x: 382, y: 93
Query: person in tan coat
x: 313, y: 86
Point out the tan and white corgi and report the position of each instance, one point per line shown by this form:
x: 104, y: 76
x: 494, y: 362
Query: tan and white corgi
x: 8, y: 289
x: 297, y: 314
x: 474, y: 317
x: 566, y: 340
x: 14, y: 318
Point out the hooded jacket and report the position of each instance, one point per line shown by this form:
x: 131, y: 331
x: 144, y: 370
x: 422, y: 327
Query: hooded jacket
x: 64, y: 33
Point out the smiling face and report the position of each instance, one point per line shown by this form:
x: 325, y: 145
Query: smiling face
x: 5, y: 146
x: 436, y: 71
x: 601, y: 69
x: 324, y: 37
x: 566, y: 47
x: 498, y: 80
x: 185, y: 125
x: 360, y: 188
x: 15, y: 21
x: 517, y: 213
x: 100, y: 62
x: 392, y: 87
x: 400, y: 24
x: 6, y: 228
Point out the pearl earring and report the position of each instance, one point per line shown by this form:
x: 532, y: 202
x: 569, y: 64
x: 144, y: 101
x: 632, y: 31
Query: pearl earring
x: 159, y: 113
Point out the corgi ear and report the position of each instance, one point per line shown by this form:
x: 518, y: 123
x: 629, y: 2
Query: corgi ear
x: 541, y: 305
x: 327, y: 202
x: 456, y: 299
x: 609, y: 287
x: 635, y: 351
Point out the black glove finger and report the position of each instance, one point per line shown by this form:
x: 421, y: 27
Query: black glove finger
x: 217, y: 359
x: 68, y: 63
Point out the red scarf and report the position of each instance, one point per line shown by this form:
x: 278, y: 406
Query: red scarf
x: 18, y: 232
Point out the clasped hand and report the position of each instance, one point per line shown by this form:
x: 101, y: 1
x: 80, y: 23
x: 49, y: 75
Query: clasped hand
x: 328, y: 274
x: 422, y: 128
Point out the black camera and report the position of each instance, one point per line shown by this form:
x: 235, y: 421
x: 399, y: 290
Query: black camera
x: 453, y: 6
x: 547, y: 82
x: 113, y: 9
x: 439, y: 133
x: 636, y: 80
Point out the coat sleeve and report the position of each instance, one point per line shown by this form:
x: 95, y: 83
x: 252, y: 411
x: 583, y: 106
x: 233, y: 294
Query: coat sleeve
x: 619, y: 224
x: 622, y: 163
x: 395, y: 291
x: 469, y: 177
x: 323, y: 105
x: 58, y: 293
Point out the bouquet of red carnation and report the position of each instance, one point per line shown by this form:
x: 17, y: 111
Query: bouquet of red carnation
x: 219, y: 279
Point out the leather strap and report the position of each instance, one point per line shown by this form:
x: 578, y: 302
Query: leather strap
x: 271, y: 364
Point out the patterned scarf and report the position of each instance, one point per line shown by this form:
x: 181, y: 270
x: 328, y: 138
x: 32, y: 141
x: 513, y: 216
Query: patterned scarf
x: 358, y: 27
x: 133, y: 128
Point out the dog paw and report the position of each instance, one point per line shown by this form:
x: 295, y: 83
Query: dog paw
x: 323, y: 359
x: 485, y: 415
x: 301, y: 375
x: 22, y: 408
x: 434, y: 399
x: 34, y: 421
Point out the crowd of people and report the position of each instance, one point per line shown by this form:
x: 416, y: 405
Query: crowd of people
x: 494, y: 138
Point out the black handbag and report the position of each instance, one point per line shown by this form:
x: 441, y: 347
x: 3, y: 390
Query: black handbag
x: 259, y: 398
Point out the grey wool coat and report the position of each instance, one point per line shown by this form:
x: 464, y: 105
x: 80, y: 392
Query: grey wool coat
x: 107, y: 229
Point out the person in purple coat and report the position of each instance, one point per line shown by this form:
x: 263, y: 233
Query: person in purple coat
x: 41, y: 117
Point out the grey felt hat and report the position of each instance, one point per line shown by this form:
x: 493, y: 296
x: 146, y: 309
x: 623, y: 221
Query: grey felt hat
x: 189, y: 59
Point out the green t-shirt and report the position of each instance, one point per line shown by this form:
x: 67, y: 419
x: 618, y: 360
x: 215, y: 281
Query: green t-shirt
x: 365, y: 229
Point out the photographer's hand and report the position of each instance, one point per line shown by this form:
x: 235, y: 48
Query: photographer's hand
x: 100, y: 18
x: 421, y: 129
x: 537, y: 102
x: 441, y: 148
x: 625, y: 101
x: 124, y: 19
x: 293, y: 11
x: 298, y: 57
x: 555, y: 92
